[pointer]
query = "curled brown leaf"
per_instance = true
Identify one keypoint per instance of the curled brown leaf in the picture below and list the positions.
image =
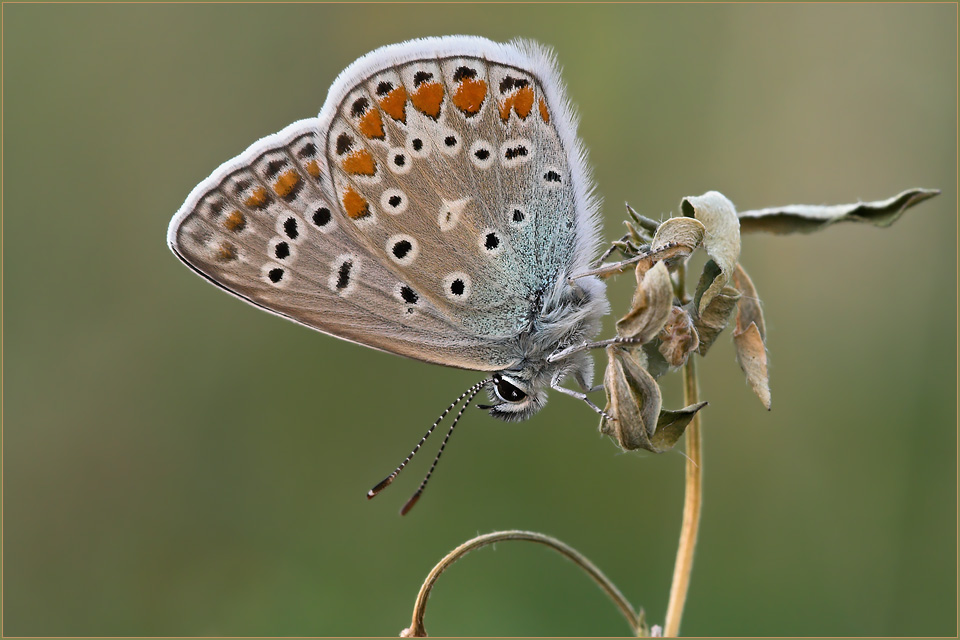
(633, 400)
(672, 424)
(678, 338)
(714, 318)
(634, 404)
(748, 308)
(802, 218)
(752, 356)
(721, 240)
(650, 307)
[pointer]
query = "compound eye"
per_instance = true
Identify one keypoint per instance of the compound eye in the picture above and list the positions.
(506, 391)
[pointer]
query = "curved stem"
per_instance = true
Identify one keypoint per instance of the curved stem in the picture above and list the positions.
(417, 629)
(691, 506)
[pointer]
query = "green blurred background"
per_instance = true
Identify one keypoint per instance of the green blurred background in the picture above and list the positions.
(179, 463)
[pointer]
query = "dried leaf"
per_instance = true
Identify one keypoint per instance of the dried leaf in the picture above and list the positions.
(651, 305)
(634, 405)
(686, 232)
(635, 237)
(715, 317)
(722, 239)
(749, 338)
(752, 356)
(643, 221)
(672, 424)
(748, 309)
(678, 338)
(800, 218)
(711, 271)
(674, 241)
(656, 365)
(633, 401)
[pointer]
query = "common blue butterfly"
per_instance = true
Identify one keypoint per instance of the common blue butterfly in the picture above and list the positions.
(436, 208)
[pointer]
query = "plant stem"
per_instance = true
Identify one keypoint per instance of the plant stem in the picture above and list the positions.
(417, 629)
(692, 499)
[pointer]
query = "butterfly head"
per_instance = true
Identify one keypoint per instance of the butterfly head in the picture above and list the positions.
(513, 397)
(566, 315)
(517, 394)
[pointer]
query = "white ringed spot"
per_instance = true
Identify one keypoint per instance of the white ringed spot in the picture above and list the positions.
(418, 142)
(481, 154)
(457, 286)
(449, 142)
(291, 228)
(280, 248)
(343, 274)
(402, 248)
(399, 160)
(516, 152)
(393, 201)
(275, 275)
(517, 215)
(491, 242)
(322, 218)
(551, 177)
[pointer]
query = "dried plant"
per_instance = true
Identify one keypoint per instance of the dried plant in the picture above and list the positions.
(666, 328)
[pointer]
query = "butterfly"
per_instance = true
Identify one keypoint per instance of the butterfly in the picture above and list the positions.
(438, 207)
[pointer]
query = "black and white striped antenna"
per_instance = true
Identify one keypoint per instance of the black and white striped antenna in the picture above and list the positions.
(469, 394)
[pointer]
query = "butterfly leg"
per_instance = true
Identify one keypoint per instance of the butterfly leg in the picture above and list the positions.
(577, 348)
(632, 242)
(609, 269)
(578, 376)
(555, 384)
(616, 244)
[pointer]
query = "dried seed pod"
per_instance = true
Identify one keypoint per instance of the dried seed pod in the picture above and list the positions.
(678, 338)
(650, 307)
(633, 400)
(634, 405)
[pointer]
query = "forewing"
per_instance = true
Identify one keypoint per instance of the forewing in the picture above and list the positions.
(460, 169)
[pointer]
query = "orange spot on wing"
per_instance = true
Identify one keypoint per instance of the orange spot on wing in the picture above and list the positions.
(428, 98)
(258, 199)
(226, 252)
(523, 102)
(395, 103)
(287, 184)
(355, 204)
(360, 163)
(506, 107)
(470, 95)
(520, 102)
(371, 125)
(543, 111)
(235, 221)
(313, 168)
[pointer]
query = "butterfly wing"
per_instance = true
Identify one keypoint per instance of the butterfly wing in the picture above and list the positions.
(261, 229)
(438, 195)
